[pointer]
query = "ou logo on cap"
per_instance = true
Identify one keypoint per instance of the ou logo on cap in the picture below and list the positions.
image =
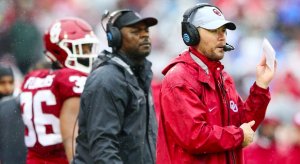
(217, 12)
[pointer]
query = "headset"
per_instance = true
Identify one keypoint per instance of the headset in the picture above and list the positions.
(113, 34)
(190, 34)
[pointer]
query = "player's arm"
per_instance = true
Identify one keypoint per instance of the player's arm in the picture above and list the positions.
(68, 116)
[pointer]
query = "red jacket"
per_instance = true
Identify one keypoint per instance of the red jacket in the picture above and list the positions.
(200, 116)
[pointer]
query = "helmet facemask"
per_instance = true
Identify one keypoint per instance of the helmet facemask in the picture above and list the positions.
(79, 58)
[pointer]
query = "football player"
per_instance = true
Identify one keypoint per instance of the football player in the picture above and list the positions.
(50, 97)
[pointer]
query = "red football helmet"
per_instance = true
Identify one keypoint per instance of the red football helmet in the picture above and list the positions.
(66, 40)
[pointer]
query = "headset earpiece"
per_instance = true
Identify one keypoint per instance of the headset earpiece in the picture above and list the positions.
(190, 34)
(114, 37)
(113, 34)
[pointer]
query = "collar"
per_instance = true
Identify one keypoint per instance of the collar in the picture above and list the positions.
(127, 60)
(137, 69)
(213, 66)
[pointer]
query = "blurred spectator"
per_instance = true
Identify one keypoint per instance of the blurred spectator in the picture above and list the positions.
(25, 43)
(12, 146)
(136, 5)
(293, 156)
(6, 81)
(264, 149)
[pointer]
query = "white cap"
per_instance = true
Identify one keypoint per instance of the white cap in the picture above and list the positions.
(210, 18)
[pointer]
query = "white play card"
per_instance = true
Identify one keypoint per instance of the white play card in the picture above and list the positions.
(269, 52)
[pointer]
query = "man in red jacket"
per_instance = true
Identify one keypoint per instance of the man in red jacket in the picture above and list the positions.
(202, 117)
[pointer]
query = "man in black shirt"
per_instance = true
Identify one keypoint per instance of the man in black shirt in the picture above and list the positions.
(117, 122)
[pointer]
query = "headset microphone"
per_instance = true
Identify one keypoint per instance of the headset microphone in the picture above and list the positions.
(228, 47)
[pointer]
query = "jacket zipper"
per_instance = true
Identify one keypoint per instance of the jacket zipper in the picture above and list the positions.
(224, 92)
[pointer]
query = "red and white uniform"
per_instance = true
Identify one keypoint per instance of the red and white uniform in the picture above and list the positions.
(42, 97)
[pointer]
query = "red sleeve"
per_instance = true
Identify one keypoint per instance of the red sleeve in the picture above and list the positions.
(185, 120)
(255, 106)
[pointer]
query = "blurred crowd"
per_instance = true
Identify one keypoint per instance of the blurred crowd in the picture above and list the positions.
(22, 23)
